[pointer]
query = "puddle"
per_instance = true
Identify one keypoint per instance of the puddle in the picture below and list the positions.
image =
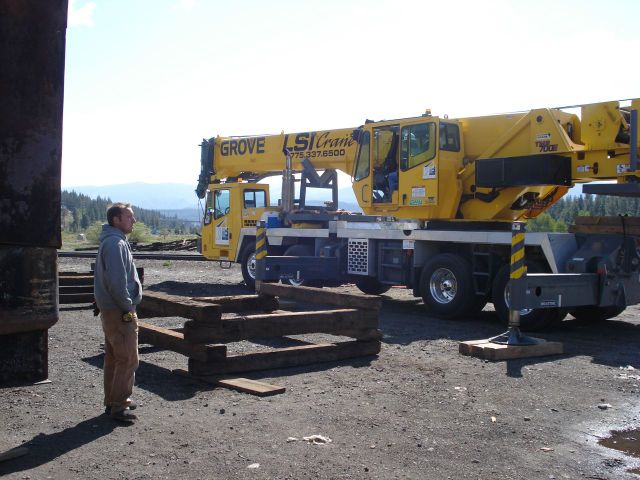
(626, 441)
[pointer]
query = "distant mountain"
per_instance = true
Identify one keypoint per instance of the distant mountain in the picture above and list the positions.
(180, 199)
(154, 196)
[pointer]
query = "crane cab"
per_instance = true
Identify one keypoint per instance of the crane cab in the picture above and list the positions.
(409, 168)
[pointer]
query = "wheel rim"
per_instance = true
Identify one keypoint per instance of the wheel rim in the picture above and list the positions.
(443, 286)
(251, 265)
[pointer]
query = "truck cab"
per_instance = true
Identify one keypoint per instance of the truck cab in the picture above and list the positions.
(230, 216)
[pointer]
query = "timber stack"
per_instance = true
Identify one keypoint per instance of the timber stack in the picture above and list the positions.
(77, 287)
(213, 322)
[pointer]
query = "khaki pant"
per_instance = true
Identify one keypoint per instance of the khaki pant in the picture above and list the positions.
(120, 359)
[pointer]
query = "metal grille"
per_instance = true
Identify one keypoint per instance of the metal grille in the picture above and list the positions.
(250, 223)
(358, 258)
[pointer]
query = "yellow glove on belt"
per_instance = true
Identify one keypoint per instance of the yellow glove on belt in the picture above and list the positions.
(129, 317)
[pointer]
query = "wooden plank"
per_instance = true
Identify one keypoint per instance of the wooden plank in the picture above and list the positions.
(68, 298)
(286, 357)
(607, 220)
(242, 303)
(496, 352)
(245, 385)
(322, 296)
(174, 341)
(278, 325)
(75, 289)
(160, 304)
(606, 225)
(253, 387)
(76, 280)
(74, 274)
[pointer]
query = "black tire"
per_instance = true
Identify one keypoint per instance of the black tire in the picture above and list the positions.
(596, 314)
(248, 265)
(300, 250)
(446, 286)
(371, 286)
(530, 320)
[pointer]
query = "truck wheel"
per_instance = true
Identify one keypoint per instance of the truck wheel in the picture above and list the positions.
(530, 319)
(371, 286)
(300, 250)
(248, 265)
(596, 314)
(446, 286)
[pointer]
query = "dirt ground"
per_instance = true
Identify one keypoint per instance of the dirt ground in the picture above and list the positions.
(418, 410)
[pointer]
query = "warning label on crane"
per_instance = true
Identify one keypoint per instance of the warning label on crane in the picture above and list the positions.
(429, 171)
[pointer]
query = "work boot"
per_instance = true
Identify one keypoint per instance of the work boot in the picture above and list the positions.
(124, 416)
(132, 406)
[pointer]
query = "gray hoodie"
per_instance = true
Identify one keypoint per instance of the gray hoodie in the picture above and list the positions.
(116, 284)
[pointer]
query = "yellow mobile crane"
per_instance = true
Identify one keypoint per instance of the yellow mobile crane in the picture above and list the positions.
(438, 196)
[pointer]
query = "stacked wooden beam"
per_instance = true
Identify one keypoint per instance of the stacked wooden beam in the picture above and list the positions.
(617, 225)
(77, 287)
(212, 322)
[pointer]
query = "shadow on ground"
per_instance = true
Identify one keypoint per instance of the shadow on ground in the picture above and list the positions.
(44, 448)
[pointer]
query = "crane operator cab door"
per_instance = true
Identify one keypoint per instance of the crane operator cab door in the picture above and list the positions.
(409, 168)
(217, 229)
(376, 174)
(419, 164)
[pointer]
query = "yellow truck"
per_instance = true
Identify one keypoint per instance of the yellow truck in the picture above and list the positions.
(438, 196)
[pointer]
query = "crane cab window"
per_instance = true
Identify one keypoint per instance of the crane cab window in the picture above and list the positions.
(417, 144)
(255, 199)
(362, 164)
(208, 208)
(449, 137)
(221, 205)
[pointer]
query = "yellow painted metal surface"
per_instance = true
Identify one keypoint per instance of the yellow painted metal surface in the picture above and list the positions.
(434, 162)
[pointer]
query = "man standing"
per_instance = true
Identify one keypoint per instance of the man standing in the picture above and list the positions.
(117, 291)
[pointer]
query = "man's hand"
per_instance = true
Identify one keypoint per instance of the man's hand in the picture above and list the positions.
(129, 317)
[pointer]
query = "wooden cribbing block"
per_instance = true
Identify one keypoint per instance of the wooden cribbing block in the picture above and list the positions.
(160, 304)
(280, 324)
(245, 385)
(242, 303)
(495, 352)
(75, 280)
(75, 289)
(67, 298)
(285, 357)
(322, 296)
(618, 225)
(174, 341)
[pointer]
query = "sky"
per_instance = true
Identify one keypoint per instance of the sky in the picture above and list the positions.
(146, 80)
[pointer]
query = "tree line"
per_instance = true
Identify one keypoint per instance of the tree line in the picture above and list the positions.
(564, 211)
(80, 211)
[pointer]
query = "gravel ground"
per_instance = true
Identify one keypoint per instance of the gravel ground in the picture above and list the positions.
(418, 410)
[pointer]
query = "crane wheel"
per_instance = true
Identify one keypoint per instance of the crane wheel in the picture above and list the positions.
(248, 265)
(446, 286)
(371, 286)
(530, 319)
(596, 314)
